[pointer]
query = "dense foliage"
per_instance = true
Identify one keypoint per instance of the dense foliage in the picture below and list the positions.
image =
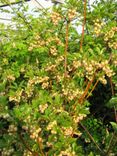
(57, 84)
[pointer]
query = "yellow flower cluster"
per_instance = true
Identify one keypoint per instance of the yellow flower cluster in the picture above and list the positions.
(27, 153)
(103, 66)
(43, 107)
(113, 45)
(79, 118)
(71, 14)
(109, 36)
(16, 97)
(7, 152)
(55, 17)
(67, 131)
(97, 27)
(36, 80)
(51, 126)
(37, 43)
(12, 128)
(55, 40)
(59, 59)
(53, 51)
(34, 132)
(71, 93)
(50, 67)
(76, 64)
(10, 77)
(67, 152)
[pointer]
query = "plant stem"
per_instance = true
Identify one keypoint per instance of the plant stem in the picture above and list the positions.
(26, 145)
(110, 144)
(86, 91)
(40, 147)
(92, 89)
(84, 22)
(90, 136)
(66, 48)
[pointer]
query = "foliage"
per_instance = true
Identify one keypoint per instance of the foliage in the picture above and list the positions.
(47, 76)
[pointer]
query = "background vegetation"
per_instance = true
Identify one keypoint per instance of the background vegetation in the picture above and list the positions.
(58, 86)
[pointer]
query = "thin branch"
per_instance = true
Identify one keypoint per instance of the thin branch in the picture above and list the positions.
(92, 89)
(83, 26)
(112, 91)
(66, 48)
(17, 13)
(110, 144)
(13, 3)
(81, 99)
(5, 19)
(90, 136)
(26, 145)
(40, 147)
(112, 88)
(39, 4)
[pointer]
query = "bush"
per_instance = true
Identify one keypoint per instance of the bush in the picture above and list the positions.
(49, 74)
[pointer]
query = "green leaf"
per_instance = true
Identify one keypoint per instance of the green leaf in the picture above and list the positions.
(114, 125)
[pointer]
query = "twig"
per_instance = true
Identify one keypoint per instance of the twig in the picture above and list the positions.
(81, 99)
(25, 21)
(40, 147)
(26, 145)
(66, 48)
(92, 89)
(112, 89)
(84, 22)
(110, 144)
(39, 4)
(90, 136)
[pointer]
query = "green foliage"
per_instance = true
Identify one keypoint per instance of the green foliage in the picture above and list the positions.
(46, 80)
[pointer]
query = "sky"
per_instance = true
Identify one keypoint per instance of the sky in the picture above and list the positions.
(32, 4)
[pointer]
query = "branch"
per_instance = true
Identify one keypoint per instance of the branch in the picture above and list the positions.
(40, 147)
(83, 26)
(66, 48)
(81, 99)
(92, 89)
(26, 145)
(90, 136)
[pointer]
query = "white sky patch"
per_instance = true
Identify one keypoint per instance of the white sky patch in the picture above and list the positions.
(32, 5)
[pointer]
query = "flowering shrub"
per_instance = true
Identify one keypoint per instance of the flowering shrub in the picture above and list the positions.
(48, 74)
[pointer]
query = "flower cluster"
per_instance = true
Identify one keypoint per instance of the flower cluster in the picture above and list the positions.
(34, 132)
(36, 80)
(37, 43)
(97, 27)
(76, 64)
(27, 153)
(51, 127)
(71, 93)
(79, 118)
(7, 152)
(53, 51)
(67, 131)
(67, 152)
(16, 97)
(50, 67)
(110, 34)
(43, 107)
(71, 14)
(10, 77)
(109, 38)
(55, 17)
(12, 128)
(113, 45)
(54, 40)
(93, 66)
